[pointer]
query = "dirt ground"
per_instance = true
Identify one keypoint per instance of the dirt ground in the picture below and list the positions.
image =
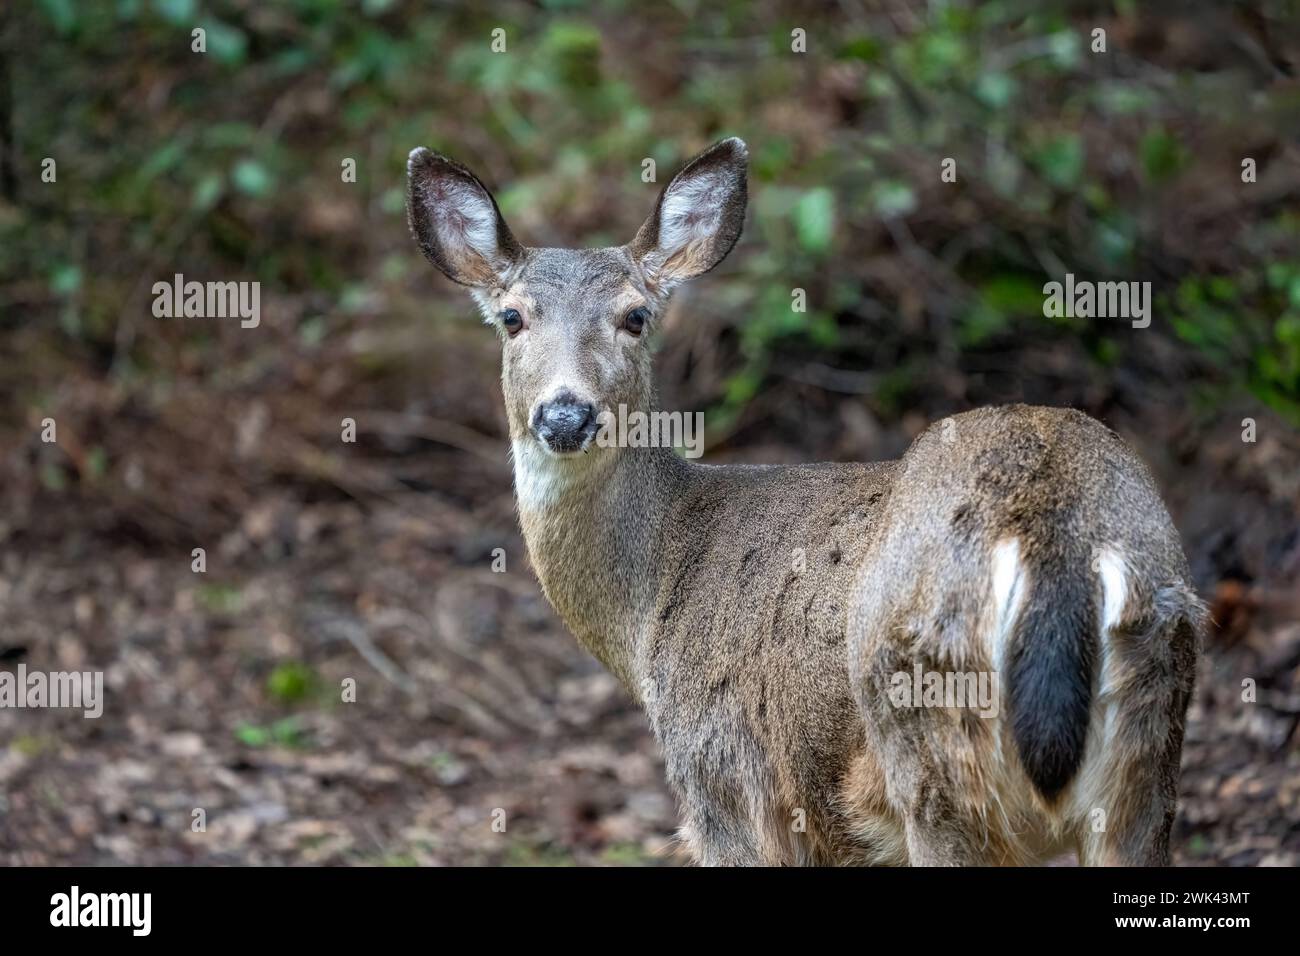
(373, 561)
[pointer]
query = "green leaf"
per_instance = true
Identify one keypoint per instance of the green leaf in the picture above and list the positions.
(1061, 161)
(1116, 238)
(252, 736)
(226, 43)
(1280, 274)
(52, 477)
(864, 48)
(220, 598)
(161, 161)
(291, 682)
(938, 55)
(742, 386)
(1162, 155)
(177, 12)
(1287, 330)
(96, 462)
(207, 191)
(823, 331)
(1125, 99)
(288, 732)
(982, 321)
(1064, 48)
(1014, 294)
(62, 14)
(815, 219)
(995, 89)
(892, 198)
(1293, 291)
(65, 279)
(251, 177)
(574, 48)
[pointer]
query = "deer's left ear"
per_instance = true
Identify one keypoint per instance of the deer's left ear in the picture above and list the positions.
(698, 218)
(456, 221)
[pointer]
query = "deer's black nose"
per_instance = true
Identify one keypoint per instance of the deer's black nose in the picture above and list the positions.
(564, 423)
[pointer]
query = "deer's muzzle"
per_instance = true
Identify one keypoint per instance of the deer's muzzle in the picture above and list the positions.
(564, 424)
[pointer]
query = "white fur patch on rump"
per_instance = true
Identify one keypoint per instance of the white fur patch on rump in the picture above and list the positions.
(1008, 593)
(1114, 587)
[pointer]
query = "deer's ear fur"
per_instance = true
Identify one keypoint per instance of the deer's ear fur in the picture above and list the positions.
(456, 221)
(698, 218)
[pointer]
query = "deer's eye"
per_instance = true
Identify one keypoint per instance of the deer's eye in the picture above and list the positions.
(634, 322)
(512, 320)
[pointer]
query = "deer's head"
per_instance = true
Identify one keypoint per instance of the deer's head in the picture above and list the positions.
(574, 323)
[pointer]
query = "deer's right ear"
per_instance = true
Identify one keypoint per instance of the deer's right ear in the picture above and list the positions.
(456, 221)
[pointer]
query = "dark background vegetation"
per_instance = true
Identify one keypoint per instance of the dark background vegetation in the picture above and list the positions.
(372, 560)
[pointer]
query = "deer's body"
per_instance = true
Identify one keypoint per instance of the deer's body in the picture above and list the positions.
(738, 660)
(762, 614)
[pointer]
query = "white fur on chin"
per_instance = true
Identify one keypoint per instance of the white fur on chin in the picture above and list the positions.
(541, 476)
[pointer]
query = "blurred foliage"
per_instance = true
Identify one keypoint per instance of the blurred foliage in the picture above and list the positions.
(292, 682)
(287, 732)
(1120, 165)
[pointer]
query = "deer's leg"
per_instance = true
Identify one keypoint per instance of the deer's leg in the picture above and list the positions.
(935, 759)
(718, 829)
(1129, 784)
(933, 842)
(1145, 843)
(713, 842)
(1128, 823)
(932, 759)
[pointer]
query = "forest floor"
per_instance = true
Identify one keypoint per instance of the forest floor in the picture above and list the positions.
(374, 563)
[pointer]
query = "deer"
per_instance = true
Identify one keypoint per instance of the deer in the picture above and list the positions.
(1028, 544)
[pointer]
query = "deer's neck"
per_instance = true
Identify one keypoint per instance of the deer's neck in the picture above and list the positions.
(592, 527)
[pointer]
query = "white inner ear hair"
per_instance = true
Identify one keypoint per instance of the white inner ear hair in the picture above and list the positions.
(465, 220)
(691, 212)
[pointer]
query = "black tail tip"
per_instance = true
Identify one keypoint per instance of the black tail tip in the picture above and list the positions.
(1051, 685)
(1050, 769)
